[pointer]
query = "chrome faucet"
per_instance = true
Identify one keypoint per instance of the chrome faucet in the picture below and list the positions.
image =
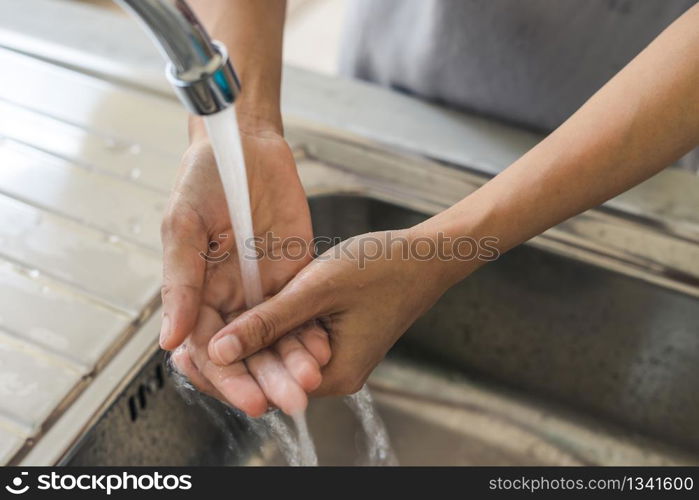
(198, 68)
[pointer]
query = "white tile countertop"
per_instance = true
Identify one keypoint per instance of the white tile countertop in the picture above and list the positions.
(83, 184)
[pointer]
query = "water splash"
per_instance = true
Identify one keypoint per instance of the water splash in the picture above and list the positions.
(378, 444)
(192, 396)
(271, 425)
(279, 430)
(307, 451)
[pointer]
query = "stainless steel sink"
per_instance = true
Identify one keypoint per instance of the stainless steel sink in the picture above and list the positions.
(580, 347)
(536, 359)
(602, 342)
(433, 416)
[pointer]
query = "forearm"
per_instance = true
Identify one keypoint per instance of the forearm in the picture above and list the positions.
(645, 118)
(252, 32)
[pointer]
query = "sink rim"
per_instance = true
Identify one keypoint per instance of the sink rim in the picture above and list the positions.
(78, 415)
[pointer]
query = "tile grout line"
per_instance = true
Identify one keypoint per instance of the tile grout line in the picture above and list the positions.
(87, 167)
(77, 289)
(16, 426)
(55, 358)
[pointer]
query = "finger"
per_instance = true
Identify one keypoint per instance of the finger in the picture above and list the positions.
(298, 361)
(354, 356)
(315, 339)
(279, 386)
(182, 362)
(340, 378)
(262, 325)
(234, 382)
(183, 239)
(238, 387)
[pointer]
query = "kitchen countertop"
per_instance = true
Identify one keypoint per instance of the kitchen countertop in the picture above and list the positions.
(83, 186)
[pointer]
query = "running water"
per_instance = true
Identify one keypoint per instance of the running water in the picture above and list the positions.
(279, 430)
(379, 451)
(297, 449)
(225, 140)
(307, 452)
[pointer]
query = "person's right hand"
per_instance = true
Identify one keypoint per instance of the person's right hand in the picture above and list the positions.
(367, 290)
(201, 277)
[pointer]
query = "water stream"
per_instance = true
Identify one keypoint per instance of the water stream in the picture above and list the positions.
(225, 140)
(298, 447)
(378, 446)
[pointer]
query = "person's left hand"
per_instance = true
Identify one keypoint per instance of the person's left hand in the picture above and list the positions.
(203, 291)
(365, 301)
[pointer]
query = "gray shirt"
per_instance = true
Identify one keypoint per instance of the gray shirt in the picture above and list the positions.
(531, 62)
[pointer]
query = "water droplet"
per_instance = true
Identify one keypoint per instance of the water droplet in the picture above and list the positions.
(113, 238)
(135, 149)
(135, 173)
(134, 225)
(111, 143)
(34, 273)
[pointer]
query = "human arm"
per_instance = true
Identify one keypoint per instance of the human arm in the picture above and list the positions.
(638, 123)
(202, 292)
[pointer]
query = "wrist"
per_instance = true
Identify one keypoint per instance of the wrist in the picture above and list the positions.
(250, 122)
(197, 130)
(457, 247)
(259, 120)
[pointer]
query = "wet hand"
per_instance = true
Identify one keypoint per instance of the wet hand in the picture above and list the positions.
(201, 279)
(366, 296)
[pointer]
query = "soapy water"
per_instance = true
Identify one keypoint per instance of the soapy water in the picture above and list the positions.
(297, 448)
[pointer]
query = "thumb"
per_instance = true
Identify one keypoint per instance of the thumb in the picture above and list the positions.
(183, 276)
(262, 325)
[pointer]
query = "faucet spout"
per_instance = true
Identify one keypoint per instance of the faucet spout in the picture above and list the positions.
(197, 67)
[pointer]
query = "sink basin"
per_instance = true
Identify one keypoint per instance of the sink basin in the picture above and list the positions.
(535, 360)
(433, 417)
(605, 343)
(580, 347)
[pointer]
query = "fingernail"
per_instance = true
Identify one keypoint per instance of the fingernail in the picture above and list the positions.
(164, 330)
(227, 349)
